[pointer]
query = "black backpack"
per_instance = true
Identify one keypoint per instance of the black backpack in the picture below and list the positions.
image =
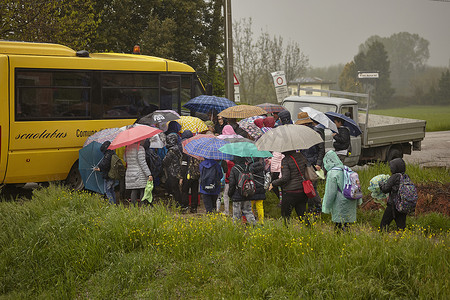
(154, 162)
(246, 183)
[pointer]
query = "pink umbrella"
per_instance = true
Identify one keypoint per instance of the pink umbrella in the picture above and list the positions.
(133, 135)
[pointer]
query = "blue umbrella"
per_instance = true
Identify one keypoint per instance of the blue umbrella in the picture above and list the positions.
(89, 158)
(207, 148)
(205, 103)
(348, 122)
(244, 149)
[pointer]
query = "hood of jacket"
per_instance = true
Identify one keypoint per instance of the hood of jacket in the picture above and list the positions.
(397, 165)
(259, 123)
(174, 127)
(186, 135)
(105, 146)
(285, 117)
(208, 163)
(331, 160)
(171, 140)
(240, 161)
(269, 122)
(256, 167)
(228, 130)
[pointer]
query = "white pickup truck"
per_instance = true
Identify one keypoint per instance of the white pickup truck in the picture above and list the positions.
(383, 138)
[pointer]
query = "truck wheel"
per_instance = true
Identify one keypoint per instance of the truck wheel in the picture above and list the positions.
(394, 153)
(73, 180)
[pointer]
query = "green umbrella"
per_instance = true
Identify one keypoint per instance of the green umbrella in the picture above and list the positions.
(244, 149)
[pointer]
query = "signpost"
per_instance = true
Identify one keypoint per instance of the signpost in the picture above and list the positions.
(369, 80)
(279, 80)
(237, 97)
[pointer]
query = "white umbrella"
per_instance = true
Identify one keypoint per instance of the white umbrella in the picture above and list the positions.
(320, 118)
(288, 137)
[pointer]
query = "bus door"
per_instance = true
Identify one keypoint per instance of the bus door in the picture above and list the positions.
(4, 116)
(170, 92)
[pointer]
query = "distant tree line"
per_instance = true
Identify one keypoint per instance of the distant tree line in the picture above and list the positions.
(404, 76)
(190, 31)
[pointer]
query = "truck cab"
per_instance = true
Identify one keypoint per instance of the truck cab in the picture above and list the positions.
(325, 104)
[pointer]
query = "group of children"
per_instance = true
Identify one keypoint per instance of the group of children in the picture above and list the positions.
(186, 177)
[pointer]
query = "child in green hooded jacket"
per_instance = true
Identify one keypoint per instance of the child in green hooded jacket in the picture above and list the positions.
(342, 210)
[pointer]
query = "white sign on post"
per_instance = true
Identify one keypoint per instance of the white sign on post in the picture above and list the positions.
(368, 75)
(279, 81)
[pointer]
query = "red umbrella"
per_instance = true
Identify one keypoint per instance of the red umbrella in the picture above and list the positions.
(133, 135)
(271, 108)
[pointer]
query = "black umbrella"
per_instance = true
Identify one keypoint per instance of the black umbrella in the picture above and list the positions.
(159, 116)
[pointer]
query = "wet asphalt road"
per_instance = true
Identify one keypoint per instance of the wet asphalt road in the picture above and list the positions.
(435, 151)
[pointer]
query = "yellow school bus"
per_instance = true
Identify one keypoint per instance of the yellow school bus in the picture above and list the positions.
(52, 98)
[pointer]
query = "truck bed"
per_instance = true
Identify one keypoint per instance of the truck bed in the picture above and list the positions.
(385, 130)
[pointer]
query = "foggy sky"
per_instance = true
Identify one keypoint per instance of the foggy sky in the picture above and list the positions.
(329, 32)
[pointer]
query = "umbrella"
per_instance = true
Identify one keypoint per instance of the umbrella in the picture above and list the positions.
(288, 137)
(208, 148)
(158, 140)
(205, 103)
(195, 137)
(89, 157)
(271, 108)
(108, 134)
(159, 116)
(193, 124)
(250, 119)
(254, 131)
(244, 149)
(320, 118)
(133, 135)
(242, 111)
(239, 139)
(348, 122)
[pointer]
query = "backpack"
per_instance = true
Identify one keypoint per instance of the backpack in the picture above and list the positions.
(352, 186)
(246, 183)
(407, 195)
(209, 180)
(154, 162)
(194, 168)
(117, 170)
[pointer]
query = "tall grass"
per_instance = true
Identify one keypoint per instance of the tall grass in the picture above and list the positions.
(65, 244)
(437, 117)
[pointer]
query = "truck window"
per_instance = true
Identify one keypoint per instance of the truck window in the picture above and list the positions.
(348, 111)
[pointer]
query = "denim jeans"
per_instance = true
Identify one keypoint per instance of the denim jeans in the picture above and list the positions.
(109, 190)
(210, 202)
(243, 207)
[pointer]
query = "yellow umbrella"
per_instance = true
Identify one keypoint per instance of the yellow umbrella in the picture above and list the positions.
(242, 111)
(193, 124)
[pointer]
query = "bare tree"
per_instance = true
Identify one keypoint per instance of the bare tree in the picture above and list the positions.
(254, 60)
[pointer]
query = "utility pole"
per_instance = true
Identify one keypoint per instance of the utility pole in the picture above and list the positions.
(229, 74)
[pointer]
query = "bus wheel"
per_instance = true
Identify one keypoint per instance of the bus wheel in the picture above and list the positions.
(73, 180)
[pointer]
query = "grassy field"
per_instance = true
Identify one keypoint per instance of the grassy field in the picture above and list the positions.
(68, 245)
(437, 117)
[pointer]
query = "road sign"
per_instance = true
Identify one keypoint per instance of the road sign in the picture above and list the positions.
(237, 96)
(235, 81)
(279, 80)
(368, 75)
